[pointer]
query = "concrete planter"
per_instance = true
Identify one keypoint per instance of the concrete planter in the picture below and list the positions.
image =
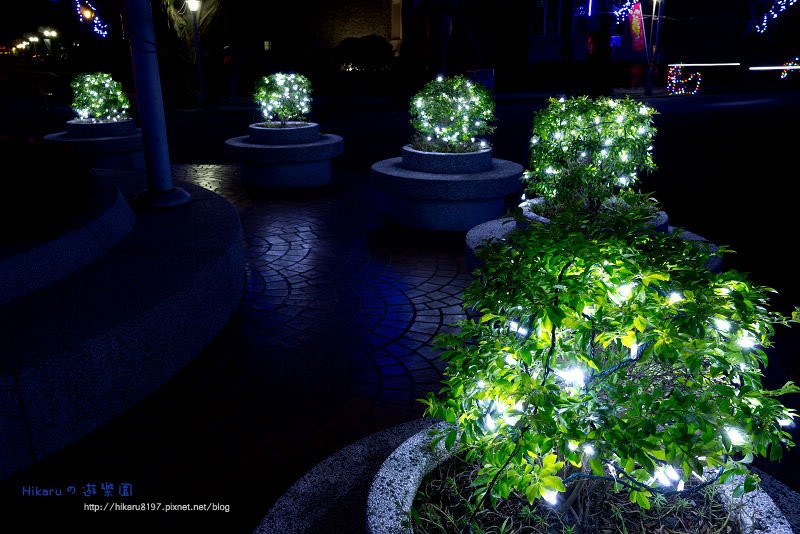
(270, 133)
(105, 145)
(396, 483)
(455, 193)
(498, 229)
(447, 163)
(285, 158)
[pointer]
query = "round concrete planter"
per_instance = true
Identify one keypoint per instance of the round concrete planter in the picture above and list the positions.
(104, 225)
(285, 158)
(498, 229)
(447, 163)
(84, 129)
(270, 133)
(445, 201)
(396, 483)
(659, 222)
(105, 145)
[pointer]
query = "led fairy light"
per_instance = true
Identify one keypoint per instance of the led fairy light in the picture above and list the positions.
(790, 67)
(449, 114)
(622, 12)
(98, 98)
(88, 13)
(600, 144)
(679, 83)
(775, 10)
(283, 97)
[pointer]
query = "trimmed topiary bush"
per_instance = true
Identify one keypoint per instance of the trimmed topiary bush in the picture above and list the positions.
(585, 151)
(618, 358)
(451, 115)
(98, 98)
(284, 97)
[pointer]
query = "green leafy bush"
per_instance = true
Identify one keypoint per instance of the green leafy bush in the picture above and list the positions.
(98, 98)
(584, 151)
(450, 114)
(619, 358)
(284, 97)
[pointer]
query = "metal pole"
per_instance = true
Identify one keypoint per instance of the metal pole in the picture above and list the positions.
(197, 59)
(160, 192)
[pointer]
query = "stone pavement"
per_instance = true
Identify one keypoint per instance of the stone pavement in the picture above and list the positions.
(331, 343)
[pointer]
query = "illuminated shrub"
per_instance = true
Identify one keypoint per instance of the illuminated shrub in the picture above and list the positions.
(584, 151)
(619, 358)
(98, 98)
(451, 114)
(283, 97)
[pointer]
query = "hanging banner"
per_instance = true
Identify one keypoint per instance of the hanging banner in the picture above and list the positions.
(637, 27)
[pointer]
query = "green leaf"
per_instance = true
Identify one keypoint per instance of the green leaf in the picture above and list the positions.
(450, 439)
(640, 323)
(553, 483)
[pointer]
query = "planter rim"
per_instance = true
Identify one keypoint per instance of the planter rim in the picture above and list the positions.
(292, 125)
(409, 148)
(97, 121)
(392, 492)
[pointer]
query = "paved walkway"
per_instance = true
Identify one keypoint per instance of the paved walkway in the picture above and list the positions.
(332, 342)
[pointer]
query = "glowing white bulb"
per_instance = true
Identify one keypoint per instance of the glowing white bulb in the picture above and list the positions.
(534, 140)
(489, 423)
(481, 384)
(573, 446)
(549, 170)
(672, 474)
(620, 118)
(562, 100)
(558, 135)
(483, 144)
(641, 130)
(746, 341)
(573, 376)
(723, 291)
(623, 181)
(675, 297)
(624, 156)
(439, 78)
(597, 120)
(736, 436)
(588, 450)
(604, 152)
(550, 496)
(721, 324)
(635, 351)
(661, 476)
(515, 327)
(786, 422)
(583, 154)
(644, 110)
(625, 291)
(590, 310)
(607, 142)
(510, 360)
(681, 485)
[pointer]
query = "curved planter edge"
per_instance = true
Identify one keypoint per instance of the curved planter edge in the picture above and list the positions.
(396, 483)
(295, 133)
(447, 162)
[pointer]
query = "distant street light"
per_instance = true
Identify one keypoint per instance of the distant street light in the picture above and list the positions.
(33, 39)
(194, 7)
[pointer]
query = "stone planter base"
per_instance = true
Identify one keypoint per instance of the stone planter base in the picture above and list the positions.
(396, 483)
(285, 166)
(445, 202)
(105, 145)
(498, 229)
(106, 224)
